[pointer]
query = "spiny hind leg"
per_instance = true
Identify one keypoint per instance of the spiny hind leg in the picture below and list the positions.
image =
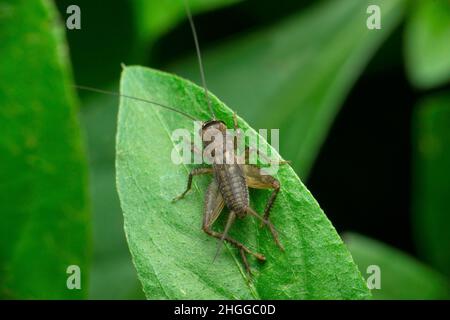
(194, 172)
(214, 204)
(242, 248)
(269, 224)
(259, 181)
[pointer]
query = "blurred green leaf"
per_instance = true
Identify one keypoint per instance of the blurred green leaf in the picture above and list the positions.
(431, 176)
(155, 17)
(105, 40)
(172, 255)
(112, 275)
(427, 43)
(402, 277)
(294, 76)
(44, 222)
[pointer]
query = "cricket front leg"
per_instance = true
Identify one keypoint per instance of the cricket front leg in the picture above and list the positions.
(194, 172)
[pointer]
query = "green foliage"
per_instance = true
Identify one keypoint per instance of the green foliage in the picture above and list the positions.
(431, 174)
(112, 273)
(402, 277)
(44, 221)
(171, 253)
(106, 39)
(300, 69)
(153, 18)
(292, 71)
(427, 43)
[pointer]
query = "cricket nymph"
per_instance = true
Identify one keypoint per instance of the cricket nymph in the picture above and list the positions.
(230, 185)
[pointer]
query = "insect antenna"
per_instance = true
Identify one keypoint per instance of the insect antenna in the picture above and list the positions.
(116, 94)
(199, 56)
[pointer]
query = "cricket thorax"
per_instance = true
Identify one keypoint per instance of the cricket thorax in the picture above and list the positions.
(233, 187)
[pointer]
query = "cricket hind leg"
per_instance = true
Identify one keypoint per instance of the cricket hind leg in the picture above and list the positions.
(269, 224)
(194, 172)
(214, 204)
(259, 181)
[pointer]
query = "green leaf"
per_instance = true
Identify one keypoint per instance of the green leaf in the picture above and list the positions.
(154, 18)
(427, 45)
(402, 276)
(105, 40)
(172, 255)
(112, 273)
(431, 176)
(301, 70)
(44, 222)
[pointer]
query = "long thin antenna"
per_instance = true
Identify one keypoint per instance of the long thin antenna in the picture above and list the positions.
(112, 93)
(199, 56)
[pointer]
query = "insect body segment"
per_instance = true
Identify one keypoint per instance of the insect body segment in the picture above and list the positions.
(233, 187)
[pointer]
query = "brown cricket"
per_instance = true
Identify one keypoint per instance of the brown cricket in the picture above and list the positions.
(231, 180)
(230, 187)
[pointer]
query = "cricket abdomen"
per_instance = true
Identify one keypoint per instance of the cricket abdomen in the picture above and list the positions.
(232, 186)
